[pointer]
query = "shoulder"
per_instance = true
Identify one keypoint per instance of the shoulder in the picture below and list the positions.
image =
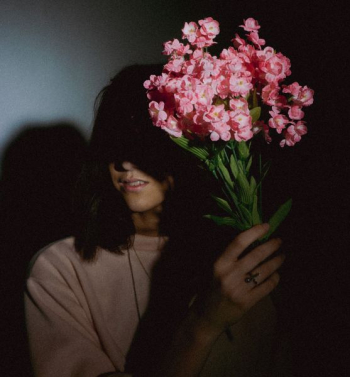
(57, 256)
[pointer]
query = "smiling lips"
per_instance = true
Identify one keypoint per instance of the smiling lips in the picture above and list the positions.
(133, 185)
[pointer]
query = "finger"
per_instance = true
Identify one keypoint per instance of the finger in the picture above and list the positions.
(240, 243)
(265, 270)
(262, 290)
(259, 254)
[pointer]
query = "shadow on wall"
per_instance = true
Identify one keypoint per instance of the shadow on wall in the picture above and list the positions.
(40, 167)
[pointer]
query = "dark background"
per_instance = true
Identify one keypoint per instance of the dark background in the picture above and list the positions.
(40, 164)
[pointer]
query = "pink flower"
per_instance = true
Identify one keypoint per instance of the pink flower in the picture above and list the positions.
(172, 127)
(223, 87)
(157, 113)
(216, 113)
(242, 120)
(306, 97)
(254, 37)
(294, 89)
(197, 54)
(238, 41)
(220, 130)
(239, 105)
(270, 93)
(209, 27)
(293, 134)
(295, 112)
(200, 95)
(278, 121)
(300, 96)
(250, 25)
(171, 85)
(176, 47)
(174, 65)
(188, 82)
(156, 81)
(241, 127)
(203, 41)
(204, 95)
(276, 68)
(240, 85)
(243, 134)
(190, 31)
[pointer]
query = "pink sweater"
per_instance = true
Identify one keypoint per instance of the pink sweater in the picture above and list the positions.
(81, 317)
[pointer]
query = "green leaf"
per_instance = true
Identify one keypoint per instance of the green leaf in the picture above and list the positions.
(225, 172)
(255, 113)
(233, 165)
(244, 188)
(278, 217)
(252, 185)
(247, 216)
(240, 166)
(249, 164)
(226, 221)
(231, 193)
(222, 204)
(184, 143)
(243, 150)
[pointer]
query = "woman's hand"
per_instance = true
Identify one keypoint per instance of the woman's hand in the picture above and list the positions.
(240, 283)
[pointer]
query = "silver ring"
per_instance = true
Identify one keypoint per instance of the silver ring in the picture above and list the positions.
(252, 278)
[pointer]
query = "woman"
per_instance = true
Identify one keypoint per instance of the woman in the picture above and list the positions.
(146, 287)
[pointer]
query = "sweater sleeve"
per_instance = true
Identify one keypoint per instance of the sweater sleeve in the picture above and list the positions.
(62, 338)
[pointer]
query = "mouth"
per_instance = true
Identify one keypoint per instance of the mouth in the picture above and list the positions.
(133, 185)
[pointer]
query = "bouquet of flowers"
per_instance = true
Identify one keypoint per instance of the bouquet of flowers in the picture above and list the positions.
(214, 106)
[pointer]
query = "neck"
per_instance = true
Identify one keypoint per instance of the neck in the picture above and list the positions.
(147, 223)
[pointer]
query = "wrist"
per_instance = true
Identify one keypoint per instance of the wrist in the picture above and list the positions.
(200, 330)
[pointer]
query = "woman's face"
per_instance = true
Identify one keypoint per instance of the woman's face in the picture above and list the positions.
(141, 192)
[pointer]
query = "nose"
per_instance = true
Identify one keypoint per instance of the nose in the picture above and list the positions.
(124, 166)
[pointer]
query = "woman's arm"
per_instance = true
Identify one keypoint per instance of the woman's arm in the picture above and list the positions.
(229, 298)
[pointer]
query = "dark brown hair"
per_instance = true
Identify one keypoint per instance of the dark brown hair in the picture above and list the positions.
(123, 132)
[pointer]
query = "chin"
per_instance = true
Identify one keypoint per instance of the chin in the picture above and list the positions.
(144, 206)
